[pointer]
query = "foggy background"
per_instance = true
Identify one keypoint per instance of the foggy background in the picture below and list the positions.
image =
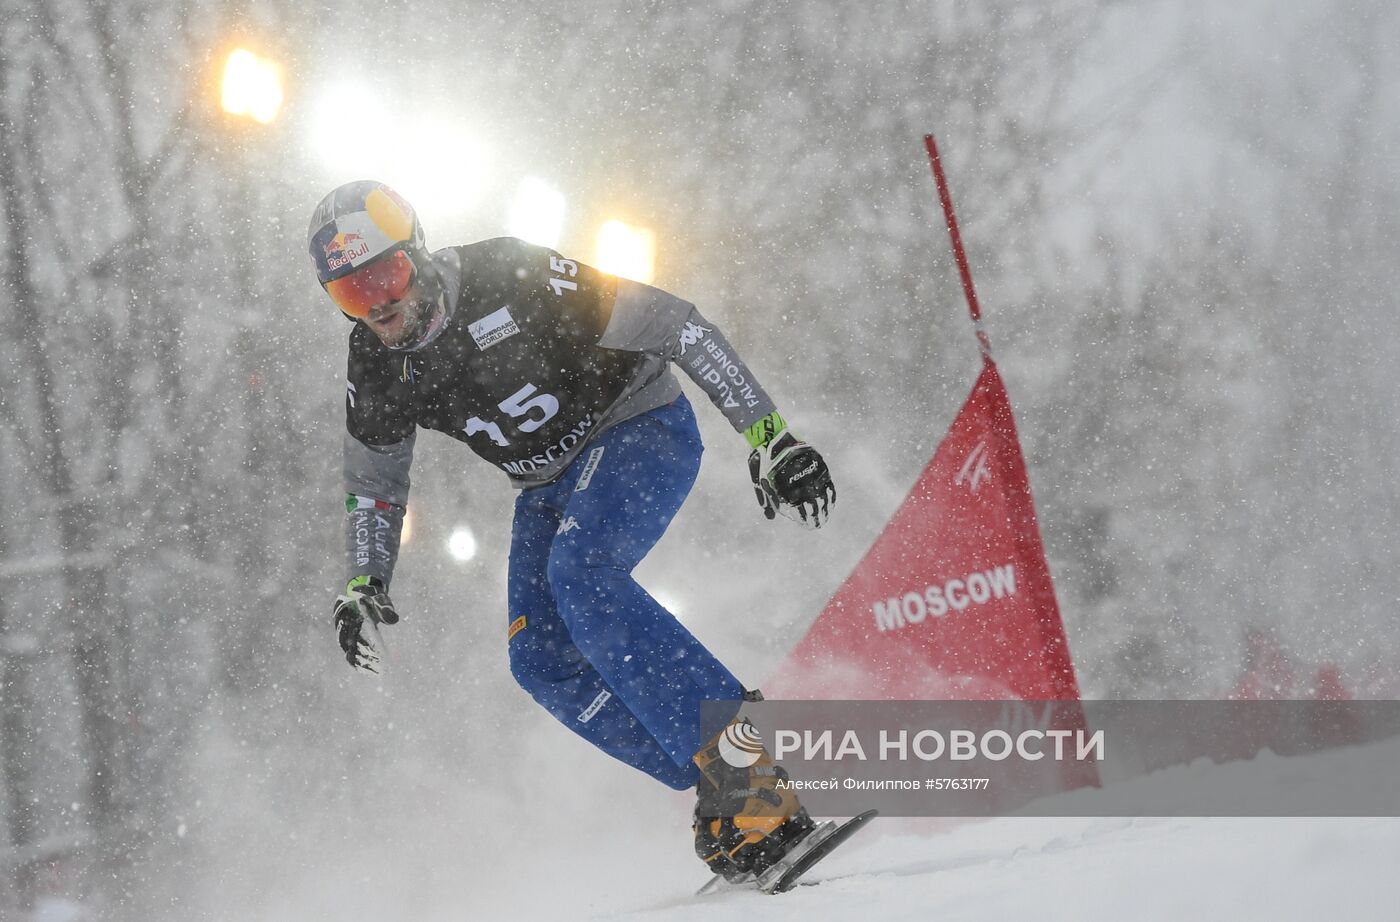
(1182, 222)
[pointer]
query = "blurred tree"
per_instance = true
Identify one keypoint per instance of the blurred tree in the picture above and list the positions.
(115, 406)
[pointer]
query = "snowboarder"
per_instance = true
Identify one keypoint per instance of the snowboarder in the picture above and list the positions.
(559, 375)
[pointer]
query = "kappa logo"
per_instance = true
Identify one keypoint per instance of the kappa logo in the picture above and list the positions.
(691, 335)
(350, 392)
(493, 328)
(975, 469)
(568, 525)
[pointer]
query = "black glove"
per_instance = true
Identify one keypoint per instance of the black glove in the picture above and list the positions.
(358, 614)
(790, 477)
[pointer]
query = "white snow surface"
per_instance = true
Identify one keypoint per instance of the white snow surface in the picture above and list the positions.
(1089, 869)
(1265, 868)
(618, 847)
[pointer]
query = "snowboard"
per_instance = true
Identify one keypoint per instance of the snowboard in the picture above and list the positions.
(821, 841)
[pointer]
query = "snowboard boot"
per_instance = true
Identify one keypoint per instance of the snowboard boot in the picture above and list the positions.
(744, 822)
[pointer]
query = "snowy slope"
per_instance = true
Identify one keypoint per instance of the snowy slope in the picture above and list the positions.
(589, 838)
(1106, 868)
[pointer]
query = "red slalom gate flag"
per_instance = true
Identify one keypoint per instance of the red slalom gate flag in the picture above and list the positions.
(954, 599)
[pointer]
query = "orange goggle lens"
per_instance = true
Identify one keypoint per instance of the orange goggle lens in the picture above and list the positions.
(381, 282)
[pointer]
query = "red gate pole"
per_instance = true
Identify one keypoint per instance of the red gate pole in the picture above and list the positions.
(959, 254)
(1076, 774)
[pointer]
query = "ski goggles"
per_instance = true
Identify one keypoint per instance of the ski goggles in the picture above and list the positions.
(385, 280)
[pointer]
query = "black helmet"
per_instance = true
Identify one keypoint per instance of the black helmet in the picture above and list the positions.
(367, 247)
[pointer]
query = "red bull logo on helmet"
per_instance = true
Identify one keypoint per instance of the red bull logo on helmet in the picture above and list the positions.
(346, 236)
(344, 248)
(342, 240)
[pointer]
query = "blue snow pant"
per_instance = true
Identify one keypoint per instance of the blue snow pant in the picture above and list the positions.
(586, 641)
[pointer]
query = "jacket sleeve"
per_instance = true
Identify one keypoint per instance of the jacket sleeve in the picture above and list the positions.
(647, 319)
(377, 456)
(376, 495)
